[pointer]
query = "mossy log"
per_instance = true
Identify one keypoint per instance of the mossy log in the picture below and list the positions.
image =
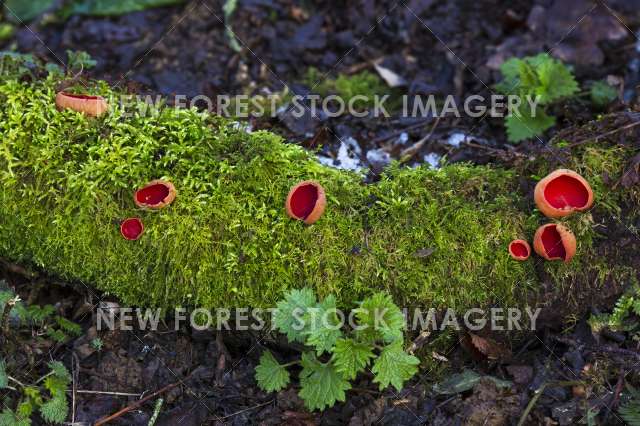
(435, 238)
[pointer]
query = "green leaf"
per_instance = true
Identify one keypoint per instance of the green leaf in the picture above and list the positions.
(288, 317)
(322, 385)
(630, 412)
(271, 376)
(4, 379)
(351, 357)
(463, 382)
(55, 410)
(60, 371)
(9, 418)
(522, 125)
(115, 8)
(556, 81)
(379, 318)
(394, 366)
(322, 325)
(20, 11)
(602, 94)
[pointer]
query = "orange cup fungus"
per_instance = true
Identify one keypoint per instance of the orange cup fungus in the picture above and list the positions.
(132, 228)
(155, 194)
(554, 241)
(306, 201)
(93, 106)
(562, 193)
(519, 249)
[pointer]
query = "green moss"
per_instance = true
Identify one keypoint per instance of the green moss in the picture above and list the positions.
(365, 85)
(66, 180)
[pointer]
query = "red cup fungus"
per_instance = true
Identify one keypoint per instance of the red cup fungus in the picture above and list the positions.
(562, 193)
(306, 201)
(519, 249)
(132, 228)
(554, 241)
(93, 106)
(155, 194)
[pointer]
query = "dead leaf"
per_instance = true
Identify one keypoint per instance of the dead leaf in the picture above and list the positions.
(486, 347)
(390, 77)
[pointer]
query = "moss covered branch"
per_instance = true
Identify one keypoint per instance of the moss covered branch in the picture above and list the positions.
(67, 180)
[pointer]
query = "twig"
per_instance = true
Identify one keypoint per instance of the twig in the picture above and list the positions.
(94, 392)
(137, 404)
(245, 410)
(408, 153)
(538, 394)
(16, 381)
(604, 135)
(75, 364)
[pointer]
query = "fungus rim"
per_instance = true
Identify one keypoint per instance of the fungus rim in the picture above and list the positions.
(547, 207)
(309, 215)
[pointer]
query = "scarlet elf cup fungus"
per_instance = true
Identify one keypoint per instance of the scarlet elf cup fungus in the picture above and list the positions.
(155, 194)
(93, 106)
(554, 241)
(132, 228)
(306, 201)
(562, 193)
(519, 249)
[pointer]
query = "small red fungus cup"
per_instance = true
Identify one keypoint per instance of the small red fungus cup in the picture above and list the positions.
(519, 249)
(155, 194)
(131, 228)
(554, 241)
(306, 201)
(93, 106)
(563, 192)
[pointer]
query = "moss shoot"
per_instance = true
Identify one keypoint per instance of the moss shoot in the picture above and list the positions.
(435, 238)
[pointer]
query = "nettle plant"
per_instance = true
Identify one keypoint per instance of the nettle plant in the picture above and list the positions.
(540, 78)
(48, 395)
(333, 356)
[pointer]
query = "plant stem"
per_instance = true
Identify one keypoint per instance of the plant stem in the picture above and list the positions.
(538, 394)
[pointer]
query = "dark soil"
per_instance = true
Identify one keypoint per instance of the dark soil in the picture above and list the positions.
(436, 47)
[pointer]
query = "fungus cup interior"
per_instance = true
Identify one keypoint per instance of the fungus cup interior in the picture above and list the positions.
(518, 249)
(566, 191)
(304, 200)
(87, 97)
(131, 228)
(152, 194)
(552, 242)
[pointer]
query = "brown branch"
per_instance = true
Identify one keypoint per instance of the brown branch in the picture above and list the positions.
(137, 404)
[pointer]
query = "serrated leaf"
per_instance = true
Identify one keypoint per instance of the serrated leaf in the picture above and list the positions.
(522, 125)
(351, 357)
(60, 371)
(55, 410)
(380, 319)
(556, 81)
(288, 317)
(322, 326)
(394, 366)
(321, 383)
(270, 375)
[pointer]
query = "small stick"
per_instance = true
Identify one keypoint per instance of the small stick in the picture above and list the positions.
(538, 394)
(604, 135)
(137, 404)
(245, 410)
(409, 153)
(94, 392)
